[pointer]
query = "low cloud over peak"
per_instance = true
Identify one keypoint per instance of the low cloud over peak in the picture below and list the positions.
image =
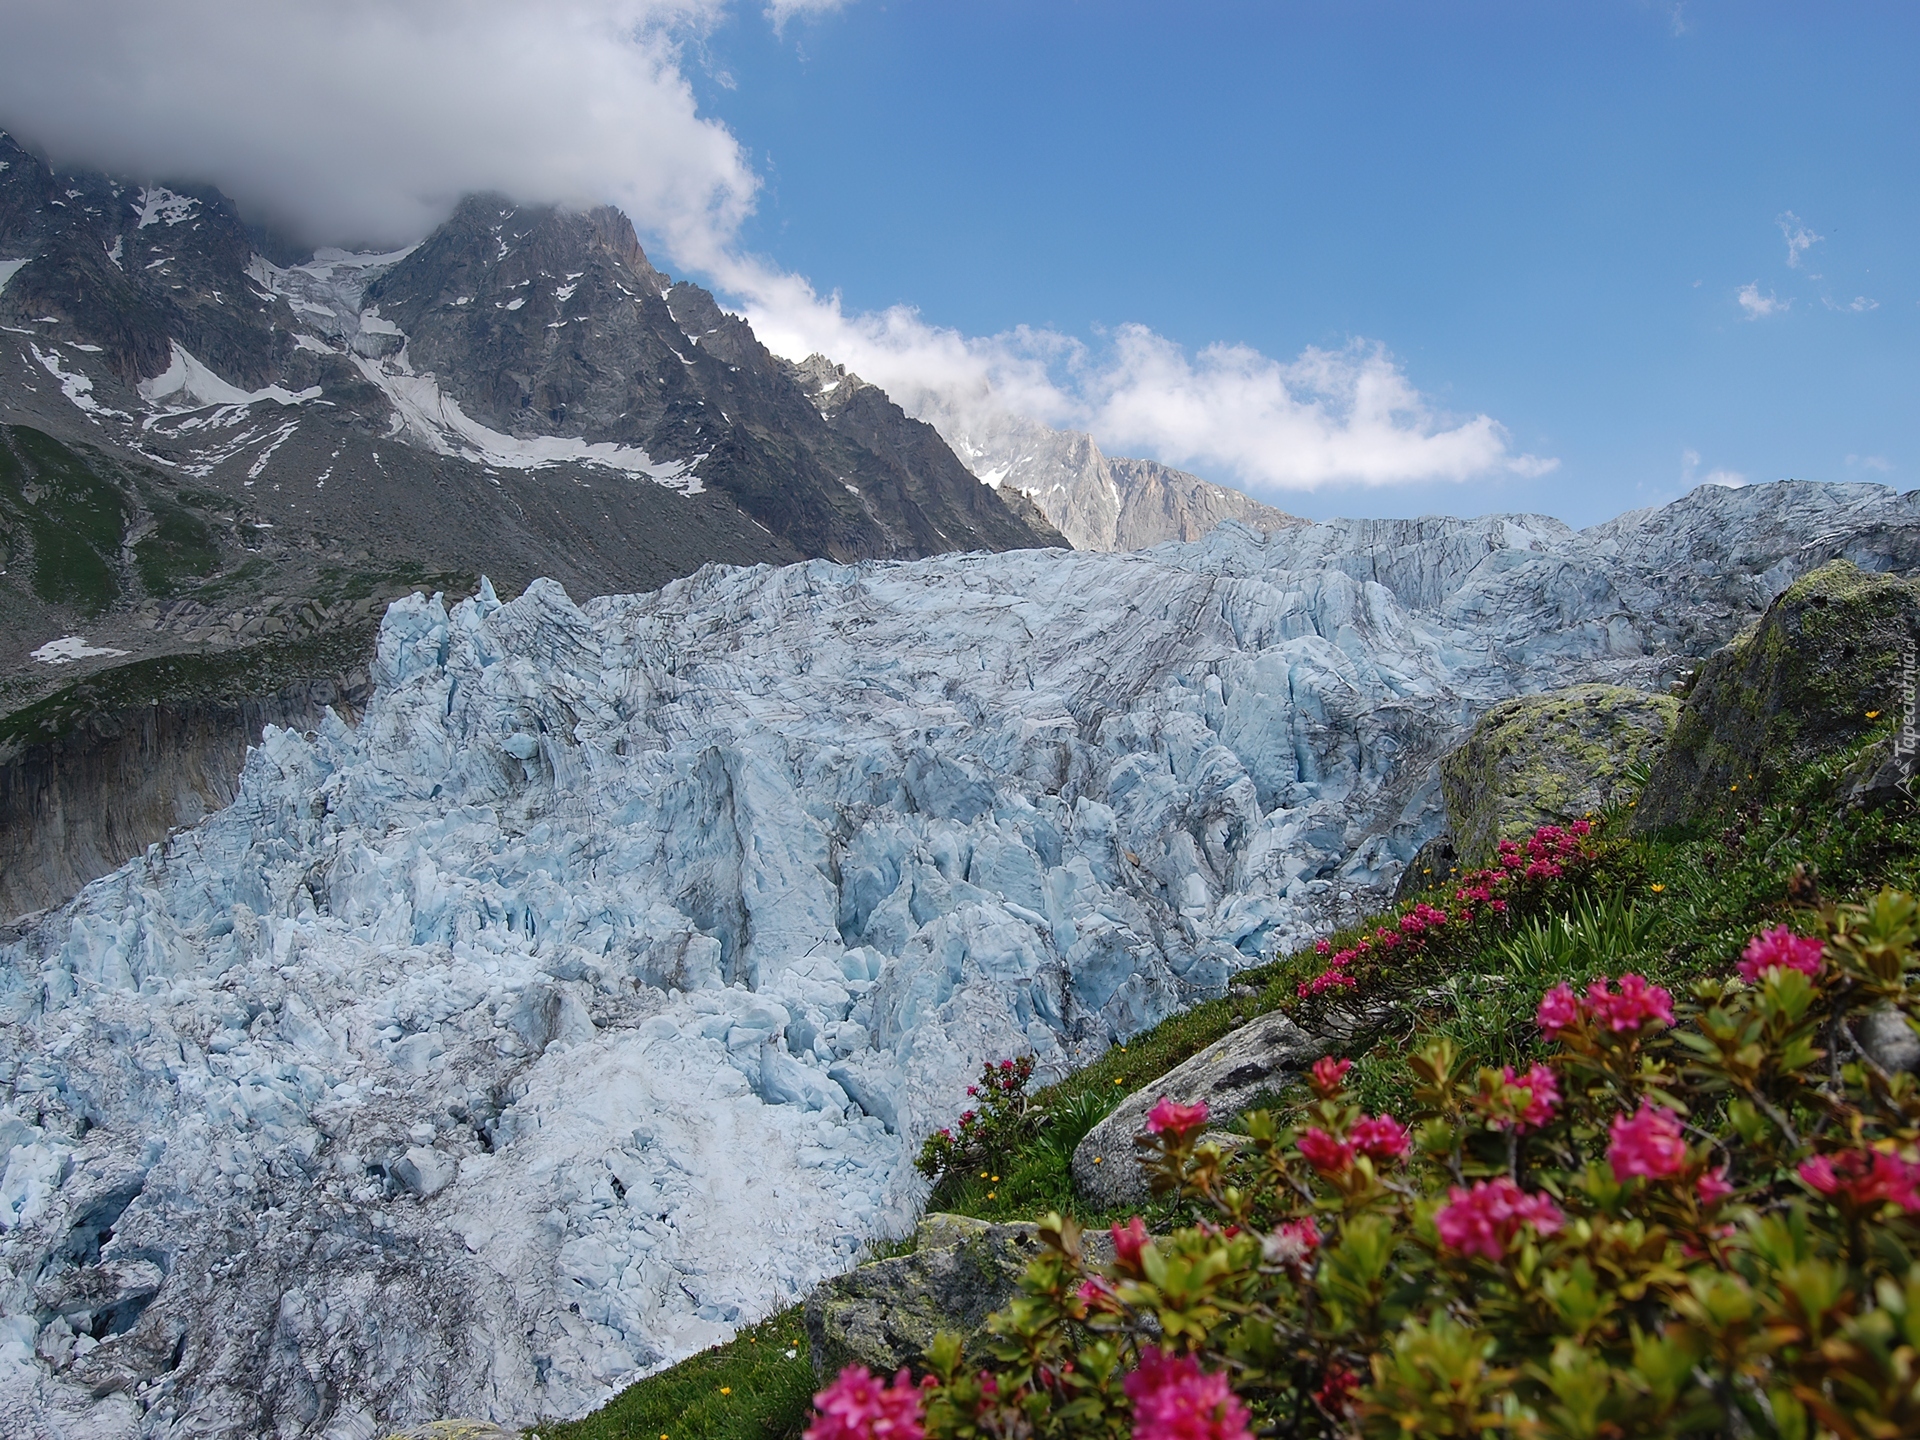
(362, 122)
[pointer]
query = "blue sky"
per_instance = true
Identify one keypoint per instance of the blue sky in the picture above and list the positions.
(1366, 257)
(1545, 213)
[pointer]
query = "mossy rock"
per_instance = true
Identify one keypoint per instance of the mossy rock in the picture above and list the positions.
(1820, 671)
(885, 1314)
(1548, 759)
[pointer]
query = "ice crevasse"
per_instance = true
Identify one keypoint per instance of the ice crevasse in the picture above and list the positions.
(593, 994)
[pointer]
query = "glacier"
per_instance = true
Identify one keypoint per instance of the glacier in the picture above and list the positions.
(591, 996)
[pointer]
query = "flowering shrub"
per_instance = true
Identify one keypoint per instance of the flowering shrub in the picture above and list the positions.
(1002, 1115)
(1698, 1219)
(858, 1407)
(1484, 901)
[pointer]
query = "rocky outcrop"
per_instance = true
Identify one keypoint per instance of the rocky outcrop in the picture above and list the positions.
(1098, 502)
(1832, 660)
(1265, 1055)
(885, 1314)
(1549, 759)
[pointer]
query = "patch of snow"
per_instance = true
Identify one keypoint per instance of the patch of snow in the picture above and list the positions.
(11, 268)
(565, 292)
(307, 342)
(513, 304)
(372, 324)
(284, 434)
(186, 384)
(159, 205)
(117, 252)
(435, 419)
(75, 385)
(69, 648)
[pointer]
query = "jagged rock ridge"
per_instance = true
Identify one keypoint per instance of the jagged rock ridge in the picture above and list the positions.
(592, 994)
(1099, 502)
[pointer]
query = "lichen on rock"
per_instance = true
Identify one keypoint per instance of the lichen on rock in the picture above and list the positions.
(1548, 759)
(885, 1314)
(1816, 675)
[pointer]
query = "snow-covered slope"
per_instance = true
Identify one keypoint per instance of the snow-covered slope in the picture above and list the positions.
(592, 995)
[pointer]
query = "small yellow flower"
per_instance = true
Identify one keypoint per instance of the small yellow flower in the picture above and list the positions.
(996, 1179)
(1733, 787)
(726, 1389)
(991, 1194)
(1658, 888)
(1096, 1159)
(1873, 714)
(983, 1174)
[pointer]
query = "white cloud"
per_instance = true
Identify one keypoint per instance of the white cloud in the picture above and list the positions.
(1859, 305)
(1759, 306)
(1798, 237)
(364, 120)
(1690, 476)
(1871, 462)
(781, 11)
(1328, 416)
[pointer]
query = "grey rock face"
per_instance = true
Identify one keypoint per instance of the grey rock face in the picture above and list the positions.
(1548, 759)
(1266, 1053)
(885, 1314)
(1828, 654)
(1890, 1040)
(1098, 502)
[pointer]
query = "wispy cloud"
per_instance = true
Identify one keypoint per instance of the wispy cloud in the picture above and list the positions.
(1871, 462)
(1760, 306)
(1859, 305)
(781, 11)
(1329, 416)
(1690, 476)
(1798, 237)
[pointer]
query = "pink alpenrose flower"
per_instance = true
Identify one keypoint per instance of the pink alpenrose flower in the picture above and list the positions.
(858, 1407)
(1559, 1010)
(1174, 1399)
(1326, 1154)
(1866, 1177)
(1648, 1144)
(1328, 1074)
(1128, 1241)
(1780, 949)
(1382, 1137)
(1481, 1221)
(1177, 1120)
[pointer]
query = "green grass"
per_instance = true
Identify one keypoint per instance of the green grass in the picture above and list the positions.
(258, 669)
(771, 1393)
(72, 515)
(179, 549)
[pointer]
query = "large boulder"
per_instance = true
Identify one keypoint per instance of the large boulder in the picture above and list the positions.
(1830, 660)
(1265, 1054)
(884, 1314)
(1548, 759)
